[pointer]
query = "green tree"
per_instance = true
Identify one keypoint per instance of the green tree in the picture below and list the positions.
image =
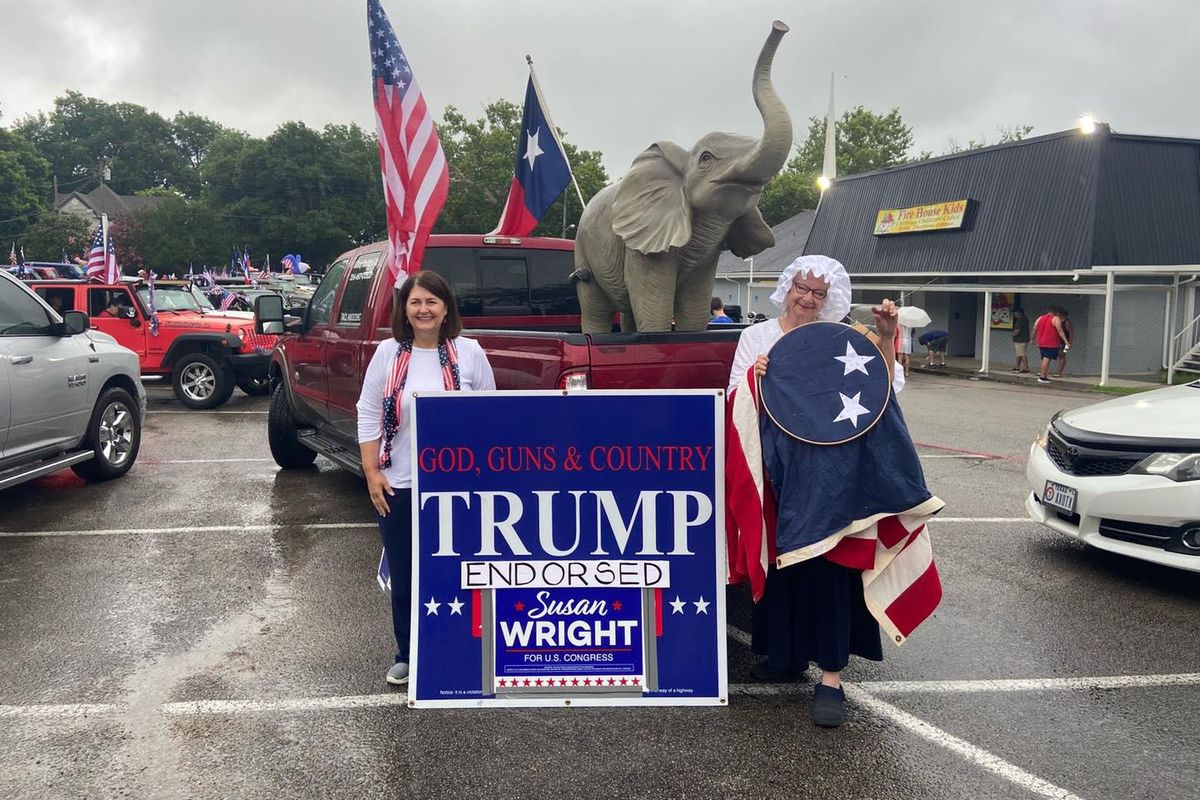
(84, 135)
(1007, 133)
(48, 236)
(866, 141)
(481, 154)
(170, 236)
(24, 184)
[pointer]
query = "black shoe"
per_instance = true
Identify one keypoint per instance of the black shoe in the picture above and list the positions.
(763, 671)
(828, 706)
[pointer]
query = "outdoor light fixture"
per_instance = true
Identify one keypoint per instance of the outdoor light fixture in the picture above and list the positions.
(1087, 124)
(824, 183)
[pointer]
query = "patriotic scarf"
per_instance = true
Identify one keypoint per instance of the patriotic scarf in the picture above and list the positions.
(900, 580)
(447, 357)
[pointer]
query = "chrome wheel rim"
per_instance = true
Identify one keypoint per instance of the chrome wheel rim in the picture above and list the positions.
(116, 434)
(198, 382)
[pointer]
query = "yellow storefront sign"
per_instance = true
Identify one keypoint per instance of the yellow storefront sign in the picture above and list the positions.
(933, 217)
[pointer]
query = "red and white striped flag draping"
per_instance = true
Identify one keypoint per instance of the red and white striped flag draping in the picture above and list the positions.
(901, 586)
(416, 178)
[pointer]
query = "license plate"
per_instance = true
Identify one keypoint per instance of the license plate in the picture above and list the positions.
(1060, 497)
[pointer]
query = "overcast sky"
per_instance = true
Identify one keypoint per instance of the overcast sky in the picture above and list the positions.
(620, 74)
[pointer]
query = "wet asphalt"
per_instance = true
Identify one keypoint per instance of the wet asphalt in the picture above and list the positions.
(209, 626)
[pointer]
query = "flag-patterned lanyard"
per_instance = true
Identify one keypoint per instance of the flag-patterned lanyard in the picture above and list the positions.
(447, 357)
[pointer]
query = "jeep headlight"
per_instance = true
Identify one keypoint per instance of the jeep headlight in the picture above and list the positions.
(1176, 466)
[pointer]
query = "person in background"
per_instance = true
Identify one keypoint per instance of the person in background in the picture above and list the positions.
(113, 308)
(425, 353)
(716, 312)
(1048, 332)
(935, 342)
(1068, 337)
(1020, 337)
(904, 347)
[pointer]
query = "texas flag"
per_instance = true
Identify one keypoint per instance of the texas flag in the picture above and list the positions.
(541, 171)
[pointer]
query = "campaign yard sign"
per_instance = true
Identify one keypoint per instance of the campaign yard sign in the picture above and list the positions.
(568, 549)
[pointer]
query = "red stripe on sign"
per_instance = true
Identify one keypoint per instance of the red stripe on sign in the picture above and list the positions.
(477, 614)
(658, 612)
(916, 603)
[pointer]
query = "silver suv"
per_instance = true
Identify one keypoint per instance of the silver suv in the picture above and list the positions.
(69, 397)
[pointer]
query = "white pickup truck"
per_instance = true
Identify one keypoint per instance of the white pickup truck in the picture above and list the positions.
(69, 396)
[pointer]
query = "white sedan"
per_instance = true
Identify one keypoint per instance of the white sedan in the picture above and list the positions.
(1124, 476)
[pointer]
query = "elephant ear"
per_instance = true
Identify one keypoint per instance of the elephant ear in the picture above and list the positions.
(651, 214)
(749, 234)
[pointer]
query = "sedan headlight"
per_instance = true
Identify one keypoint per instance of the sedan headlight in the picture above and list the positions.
(1042, 438)
(1176, 466)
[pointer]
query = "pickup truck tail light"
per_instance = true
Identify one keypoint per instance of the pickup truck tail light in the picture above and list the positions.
(573, 380)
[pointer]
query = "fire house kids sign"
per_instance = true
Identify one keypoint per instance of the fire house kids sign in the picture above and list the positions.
(567, 549)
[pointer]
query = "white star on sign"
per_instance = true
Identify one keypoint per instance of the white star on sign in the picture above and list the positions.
(851, 409)
(853, 361)
(431, 607)
(455, 607)
(532, 150)
(701, 605)
(677, 605)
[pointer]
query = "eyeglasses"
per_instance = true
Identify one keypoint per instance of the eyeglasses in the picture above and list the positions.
(804, 291)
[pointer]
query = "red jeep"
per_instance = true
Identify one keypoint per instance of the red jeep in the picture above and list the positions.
(205, 354)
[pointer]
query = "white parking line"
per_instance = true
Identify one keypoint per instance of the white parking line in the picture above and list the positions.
(289, 704)
(326, 526)
(976, 755)
(199, 411)
(312, 526)
(206, 460)
(1035, 684)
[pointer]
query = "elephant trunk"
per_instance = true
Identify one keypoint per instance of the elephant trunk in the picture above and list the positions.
(771, 153)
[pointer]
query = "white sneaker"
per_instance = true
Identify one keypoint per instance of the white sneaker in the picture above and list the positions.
(398, 674)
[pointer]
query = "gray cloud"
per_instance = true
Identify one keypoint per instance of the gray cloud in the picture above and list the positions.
(620, 75)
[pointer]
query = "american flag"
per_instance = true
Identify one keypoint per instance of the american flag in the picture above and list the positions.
(153, 305)
(227, 298)
(891, 547)
(102, 264)
(416, 178)
(12, 255)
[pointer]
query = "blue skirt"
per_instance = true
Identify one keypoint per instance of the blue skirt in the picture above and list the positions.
(814, 612)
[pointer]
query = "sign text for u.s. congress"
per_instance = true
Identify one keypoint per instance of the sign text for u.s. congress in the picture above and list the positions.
(568, 549)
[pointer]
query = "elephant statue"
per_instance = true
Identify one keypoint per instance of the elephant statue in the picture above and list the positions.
(647, 246)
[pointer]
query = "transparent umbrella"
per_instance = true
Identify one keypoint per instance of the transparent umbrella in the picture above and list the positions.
(913, 317)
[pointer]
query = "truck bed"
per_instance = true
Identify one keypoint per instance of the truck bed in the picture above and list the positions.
(542, 360)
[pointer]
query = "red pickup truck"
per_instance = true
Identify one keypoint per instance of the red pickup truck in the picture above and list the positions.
(316, 371)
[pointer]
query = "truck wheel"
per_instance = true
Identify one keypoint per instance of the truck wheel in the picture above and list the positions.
(200, 381)
(282, 435)
(255, 386)
(114, 435)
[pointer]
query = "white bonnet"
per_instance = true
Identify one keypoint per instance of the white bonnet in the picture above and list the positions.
(837, 304)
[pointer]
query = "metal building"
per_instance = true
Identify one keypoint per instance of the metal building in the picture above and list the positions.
(1104, 224)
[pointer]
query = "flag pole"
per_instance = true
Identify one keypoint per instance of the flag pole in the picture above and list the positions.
(537, 88)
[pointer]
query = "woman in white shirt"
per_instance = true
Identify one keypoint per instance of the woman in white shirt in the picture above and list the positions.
(425, 353)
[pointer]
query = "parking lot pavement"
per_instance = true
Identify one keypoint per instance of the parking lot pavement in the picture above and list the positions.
(209, 626)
